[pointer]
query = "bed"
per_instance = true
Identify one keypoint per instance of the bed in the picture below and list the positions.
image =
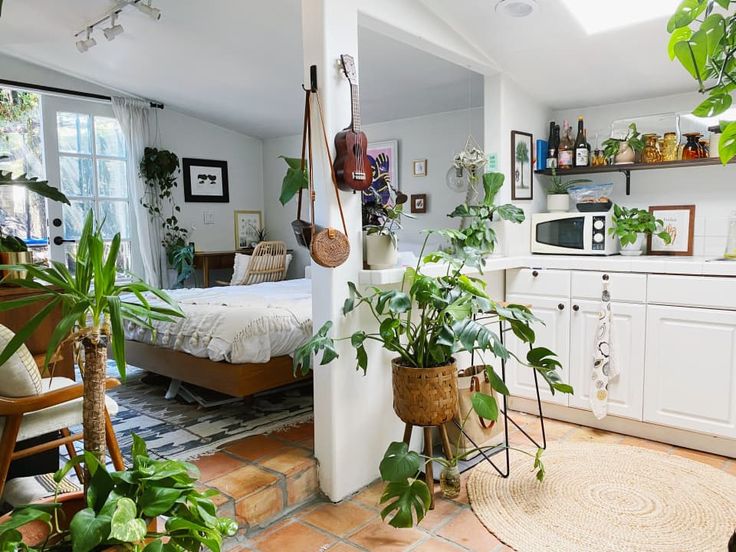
(235, 340)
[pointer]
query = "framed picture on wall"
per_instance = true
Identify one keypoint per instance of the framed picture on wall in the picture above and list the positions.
(418, 203)
(384, 158)
(419, 167)
(679, 222)
(522, 169)
(205, 181)
(247, 227)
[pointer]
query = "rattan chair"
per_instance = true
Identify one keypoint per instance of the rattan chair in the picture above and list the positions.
(267, 264)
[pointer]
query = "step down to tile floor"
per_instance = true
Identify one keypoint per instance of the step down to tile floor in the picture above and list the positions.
(262, 478)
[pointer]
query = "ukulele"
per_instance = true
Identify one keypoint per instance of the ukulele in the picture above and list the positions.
(352, 165)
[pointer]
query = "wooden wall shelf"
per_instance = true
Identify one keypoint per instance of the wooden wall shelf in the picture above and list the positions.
(627, 169)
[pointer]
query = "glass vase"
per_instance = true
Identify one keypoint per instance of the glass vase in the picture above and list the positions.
(651, 151)
(450, 482)
(669, 148)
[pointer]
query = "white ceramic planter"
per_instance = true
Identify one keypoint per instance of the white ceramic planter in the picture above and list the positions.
(380, 252)
(625, 155)
(558, 203)
(633, 249)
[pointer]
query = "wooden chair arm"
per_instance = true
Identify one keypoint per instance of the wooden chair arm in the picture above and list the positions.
(23, 405)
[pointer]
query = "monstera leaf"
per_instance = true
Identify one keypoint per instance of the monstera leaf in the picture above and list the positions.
(406, 500)
(41, 187)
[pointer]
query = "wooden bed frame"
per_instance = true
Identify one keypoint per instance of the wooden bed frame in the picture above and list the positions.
(238, 380)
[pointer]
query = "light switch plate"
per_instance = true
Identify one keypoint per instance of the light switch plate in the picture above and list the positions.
(209, 217)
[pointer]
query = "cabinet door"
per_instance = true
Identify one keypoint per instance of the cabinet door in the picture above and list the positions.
(625, 391)
(554, 334)
(690, 379)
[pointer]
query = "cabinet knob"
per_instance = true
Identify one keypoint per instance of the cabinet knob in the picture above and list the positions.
(606, 277)
(561, 306)
(576, 308)
(535, 273)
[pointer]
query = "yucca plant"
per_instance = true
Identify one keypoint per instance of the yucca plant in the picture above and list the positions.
(94, 305)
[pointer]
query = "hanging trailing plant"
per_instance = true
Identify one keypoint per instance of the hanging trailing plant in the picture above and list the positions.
(15, 104)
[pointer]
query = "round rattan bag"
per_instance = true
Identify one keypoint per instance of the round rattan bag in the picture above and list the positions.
(330, 247)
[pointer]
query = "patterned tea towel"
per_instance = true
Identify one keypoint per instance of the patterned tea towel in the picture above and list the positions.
(604, 367)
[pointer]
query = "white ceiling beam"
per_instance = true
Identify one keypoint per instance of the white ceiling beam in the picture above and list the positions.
(413, 23)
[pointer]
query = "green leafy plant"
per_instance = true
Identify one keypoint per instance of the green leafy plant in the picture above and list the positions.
(93, 307)
(703, 40)
(612, 146)
(295, 179)
(119, 507)
(558, 187)
(629, 222)
(15, 104)
(383, 218)
(181, 258)
(432, 318)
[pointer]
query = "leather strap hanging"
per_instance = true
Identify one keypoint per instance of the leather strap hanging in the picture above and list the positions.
(302, 228)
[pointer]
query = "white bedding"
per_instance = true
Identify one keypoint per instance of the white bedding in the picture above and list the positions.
(236, 323)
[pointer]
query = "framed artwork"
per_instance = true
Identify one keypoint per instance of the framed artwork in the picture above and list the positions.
(384, 158)
(247, 225)
(419, 167)
(679, 223)
(205, 181)
(419, 203)
(522, 170)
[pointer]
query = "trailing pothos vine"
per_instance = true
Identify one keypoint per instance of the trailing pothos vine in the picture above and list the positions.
(159, 169)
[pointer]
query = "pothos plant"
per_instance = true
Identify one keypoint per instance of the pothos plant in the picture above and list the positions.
(428, 321)
(382, 216)
(119, 507)
(159, 170)
(628, 223)
(612, 146)
(703, 39)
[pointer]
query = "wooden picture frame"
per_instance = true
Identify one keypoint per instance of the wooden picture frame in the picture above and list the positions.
(418, 203)
(205, 181)
(419, 167)
(244, 223)
(522, 165)
(679, 221)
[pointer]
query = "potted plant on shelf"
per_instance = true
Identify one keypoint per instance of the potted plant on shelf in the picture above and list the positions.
(425, 324)
(631, 226)
(381, 222)
(115, 506)
(558, 200)
(623, 152)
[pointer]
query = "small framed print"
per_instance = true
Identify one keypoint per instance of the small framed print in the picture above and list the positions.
(419, 203)
(205, 181)
(522, 168)
(247, 226)
(420, 167)
(679, 222)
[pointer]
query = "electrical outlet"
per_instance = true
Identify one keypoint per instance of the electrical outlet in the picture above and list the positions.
(209, 217)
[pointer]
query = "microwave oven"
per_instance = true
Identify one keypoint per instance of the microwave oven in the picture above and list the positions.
(573, 234)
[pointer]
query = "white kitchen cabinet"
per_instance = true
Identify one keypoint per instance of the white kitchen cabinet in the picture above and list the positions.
(554, 334)
(690, 379)
(625, 391)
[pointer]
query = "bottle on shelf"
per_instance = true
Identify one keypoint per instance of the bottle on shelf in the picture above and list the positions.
(553, 142)
(582, 151)
(566, 149)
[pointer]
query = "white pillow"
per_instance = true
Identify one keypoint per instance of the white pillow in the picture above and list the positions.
(19, 376)
(240, 267)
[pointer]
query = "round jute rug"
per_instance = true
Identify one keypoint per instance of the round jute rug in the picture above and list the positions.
(601, 497)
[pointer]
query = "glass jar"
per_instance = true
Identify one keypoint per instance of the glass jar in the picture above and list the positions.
(692, 149)
(450, 482)
(704, 148)
(731, 239)
(669, 147)
(651, 150)
(598, 159)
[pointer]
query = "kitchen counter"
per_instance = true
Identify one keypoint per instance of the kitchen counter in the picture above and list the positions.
(646, 264)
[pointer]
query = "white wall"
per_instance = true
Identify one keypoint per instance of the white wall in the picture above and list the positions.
(436, 137)
(710, 189)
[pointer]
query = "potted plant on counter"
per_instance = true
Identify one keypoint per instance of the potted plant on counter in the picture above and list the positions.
(623, 152)
(632, 225)
(381, 222)
(558, 200)
(425, 323)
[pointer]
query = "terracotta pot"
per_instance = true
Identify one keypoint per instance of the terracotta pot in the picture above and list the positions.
(380, 252)
(14, 258)
(424, 396)
(35, 533)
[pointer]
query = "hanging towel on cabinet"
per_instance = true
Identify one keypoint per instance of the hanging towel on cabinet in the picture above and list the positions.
(604, 366)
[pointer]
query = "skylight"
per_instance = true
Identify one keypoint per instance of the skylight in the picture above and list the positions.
(596, 16)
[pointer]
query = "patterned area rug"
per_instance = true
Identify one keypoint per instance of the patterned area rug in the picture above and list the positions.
(179, 430)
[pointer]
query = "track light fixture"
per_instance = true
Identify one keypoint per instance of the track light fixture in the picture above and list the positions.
(114, 29)
(85, 44)
(145, 7)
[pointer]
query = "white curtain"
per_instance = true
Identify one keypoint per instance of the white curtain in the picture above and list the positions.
(133, 116)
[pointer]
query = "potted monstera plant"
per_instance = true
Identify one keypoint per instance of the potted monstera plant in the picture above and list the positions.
(425, 324)
(116, 507)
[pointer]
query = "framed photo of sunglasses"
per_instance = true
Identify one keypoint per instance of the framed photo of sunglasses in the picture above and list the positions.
(205, 181)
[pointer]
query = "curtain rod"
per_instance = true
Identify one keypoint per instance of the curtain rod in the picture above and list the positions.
(66, 92)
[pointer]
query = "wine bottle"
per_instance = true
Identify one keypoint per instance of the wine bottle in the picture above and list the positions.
(566, 149)
(552, 144)
(582, 153)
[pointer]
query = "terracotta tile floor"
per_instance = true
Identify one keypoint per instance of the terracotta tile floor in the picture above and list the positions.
(355, 524)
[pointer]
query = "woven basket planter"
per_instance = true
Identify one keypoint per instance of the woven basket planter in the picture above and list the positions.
(424, 396)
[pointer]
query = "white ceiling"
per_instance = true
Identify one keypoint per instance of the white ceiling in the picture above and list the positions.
(238, 63)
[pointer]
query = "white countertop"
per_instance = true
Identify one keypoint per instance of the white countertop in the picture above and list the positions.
(648, 264)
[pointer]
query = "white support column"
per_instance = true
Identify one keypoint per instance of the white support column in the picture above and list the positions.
(354, 420)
